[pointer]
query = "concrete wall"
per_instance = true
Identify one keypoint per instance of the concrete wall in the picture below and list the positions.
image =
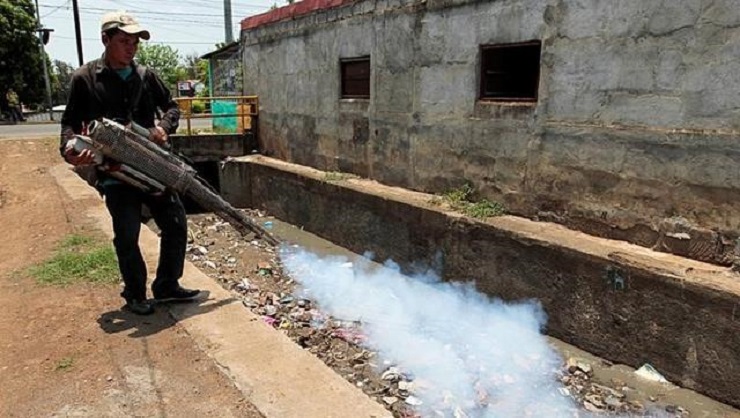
(620, 301)
(634, 135)
(213, 147)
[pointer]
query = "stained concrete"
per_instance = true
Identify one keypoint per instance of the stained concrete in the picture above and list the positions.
(213, 147)
(633, 136)
(617, 300)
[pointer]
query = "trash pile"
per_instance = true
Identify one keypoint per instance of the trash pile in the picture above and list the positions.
(577, 376)
(252, 270)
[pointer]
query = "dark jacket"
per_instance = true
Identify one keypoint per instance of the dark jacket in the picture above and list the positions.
(98, 91)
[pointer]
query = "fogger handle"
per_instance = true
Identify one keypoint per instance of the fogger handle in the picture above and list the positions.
(140, 129)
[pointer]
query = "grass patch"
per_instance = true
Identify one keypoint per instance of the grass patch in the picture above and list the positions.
(484, 209)
(461, 200)
(459, 197)
(64, 363)
(338, 176)
(78, 259)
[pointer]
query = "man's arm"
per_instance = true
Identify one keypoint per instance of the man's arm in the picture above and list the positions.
(163, 100)
(75, 110)
(72, 119)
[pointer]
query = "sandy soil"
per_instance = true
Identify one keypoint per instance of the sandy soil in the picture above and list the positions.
(70, 351)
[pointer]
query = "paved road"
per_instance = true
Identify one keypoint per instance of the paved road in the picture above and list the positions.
(27, 131)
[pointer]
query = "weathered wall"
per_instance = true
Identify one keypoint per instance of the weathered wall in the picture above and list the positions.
(210, 147)
(634, 135)
(617, 300)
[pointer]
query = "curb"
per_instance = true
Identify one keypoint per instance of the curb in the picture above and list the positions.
(274, 374)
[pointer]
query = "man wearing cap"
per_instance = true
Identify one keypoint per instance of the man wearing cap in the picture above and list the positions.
(117, 88)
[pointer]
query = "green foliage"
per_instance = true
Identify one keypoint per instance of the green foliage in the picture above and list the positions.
(459, 196)
(163, 60)
(76, 241)
(196, 68)
(461, 199)
(198, 106)
(204, 92)
(60, 82)
(484, 209)
(78, 259)
(170, 66)
(20, 54)
(202, 70)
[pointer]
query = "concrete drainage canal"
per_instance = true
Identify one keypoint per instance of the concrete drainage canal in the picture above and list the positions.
(418, 340)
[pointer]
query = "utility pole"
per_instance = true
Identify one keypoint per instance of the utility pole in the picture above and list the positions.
(227, 22)
(41, 31)
(78, 32)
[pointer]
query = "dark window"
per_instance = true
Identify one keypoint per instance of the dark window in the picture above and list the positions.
(510, 72)
(355, 78)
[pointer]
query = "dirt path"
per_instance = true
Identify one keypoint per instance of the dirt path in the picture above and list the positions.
(70, 351)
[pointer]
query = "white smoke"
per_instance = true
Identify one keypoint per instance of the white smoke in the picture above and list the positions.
(470, 355)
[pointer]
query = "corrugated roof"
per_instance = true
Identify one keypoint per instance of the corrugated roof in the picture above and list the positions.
(224, 48)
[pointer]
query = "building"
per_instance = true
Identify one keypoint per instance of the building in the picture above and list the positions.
(619, 119)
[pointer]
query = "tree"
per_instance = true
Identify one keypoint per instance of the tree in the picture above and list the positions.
(61, 78)
(20, 54)
(163, 59)
(197, 68)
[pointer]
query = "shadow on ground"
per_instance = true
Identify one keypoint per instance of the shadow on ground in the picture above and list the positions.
(120, 320)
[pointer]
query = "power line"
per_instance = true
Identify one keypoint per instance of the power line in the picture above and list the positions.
(195, 3)
(146, 12)
(134, 9)
(151, 42)
(96, 10)
(137, 11)
(55, 8)
(166, 25)
(209, 23)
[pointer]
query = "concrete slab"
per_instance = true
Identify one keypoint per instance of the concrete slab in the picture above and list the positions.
(274, 374)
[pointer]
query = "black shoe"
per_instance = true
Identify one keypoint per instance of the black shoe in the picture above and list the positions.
(139, 307)
(178, 294)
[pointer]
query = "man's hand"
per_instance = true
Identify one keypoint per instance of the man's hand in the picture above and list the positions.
(158, 135)
(85, 157)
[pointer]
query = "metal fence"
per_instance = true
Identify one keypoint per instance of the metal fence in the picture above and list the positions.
(229, 114)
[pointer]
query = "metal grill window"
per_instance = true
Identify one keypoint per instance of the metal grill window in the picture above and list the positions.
(355, 78)
(510, 72)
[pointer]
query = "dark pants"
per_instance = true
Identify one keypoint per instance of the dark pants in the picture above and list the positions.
(15, 114)
(124, 205)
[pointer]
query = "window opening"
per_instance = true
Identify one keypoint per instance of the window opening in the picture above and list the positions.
(510, 72)
(355, 78)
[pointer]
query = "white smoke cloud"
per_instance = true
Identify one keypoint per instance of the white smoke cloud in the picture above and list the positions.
(470, 355)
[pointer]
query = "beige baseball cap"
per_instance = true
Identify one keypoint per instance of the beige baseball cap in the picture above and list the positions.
(125, 22)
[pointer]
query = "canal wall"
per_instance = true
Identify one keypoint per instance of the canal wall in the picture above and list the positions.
(618, 300)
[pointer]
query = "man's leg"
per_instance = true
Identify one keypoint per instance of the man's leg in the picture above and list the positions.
(124, 205)
(169, 215)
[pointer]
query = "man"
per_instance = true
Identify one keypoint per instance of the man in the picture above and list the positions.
(115, 87)
(14, 104)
